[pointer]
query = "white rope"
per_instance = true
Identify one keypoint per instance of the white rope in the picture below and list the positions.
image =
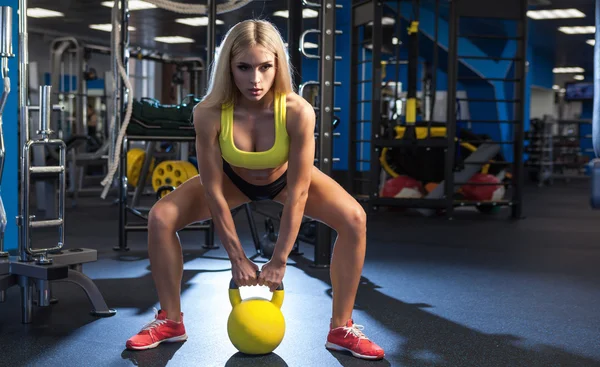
(183, 8)
(116, 34)
(112, 166)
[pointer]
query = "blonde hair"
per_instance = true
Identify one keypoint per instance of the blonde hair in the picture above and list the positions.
(221, 87)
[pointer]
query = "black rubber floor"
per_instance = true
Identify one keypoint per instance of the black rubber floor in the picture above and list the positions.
(475, 291)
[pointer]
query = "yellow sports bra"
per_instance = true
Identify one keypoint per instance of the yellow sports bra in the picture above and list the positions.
(272, 158)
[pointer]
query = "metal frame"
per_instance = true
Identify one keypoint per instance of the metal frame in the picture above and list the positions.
(365, 186)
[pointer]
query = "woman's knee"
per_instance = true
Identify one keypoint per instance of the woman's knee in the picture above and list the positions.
(163, 216)
(356, 220)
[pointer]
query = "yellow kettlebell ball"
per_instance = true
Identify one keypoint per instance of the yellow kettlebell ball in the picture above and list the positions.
(255, 325)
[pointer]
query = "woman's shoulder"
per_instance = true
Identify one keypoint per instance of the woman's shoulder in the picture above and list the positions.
(298, 106)
(205, 115)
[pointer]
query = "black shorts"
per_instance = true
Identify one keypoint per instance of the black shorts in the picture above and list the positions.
(256, 192)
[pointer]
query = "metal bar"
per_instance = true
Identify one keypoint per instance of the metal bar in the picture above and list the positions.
(519, 113)
(327, 34)
(293, 39)
(137, 194)
(46, 223)
(353, 115)
(23, 123)
(124, 93)
(211, 32)
(47, 169)
(375, 166)
(451, 105)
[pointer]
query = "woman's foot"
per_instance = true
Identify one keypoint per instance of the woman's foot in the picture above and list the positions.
(160, 330)
(351, 338)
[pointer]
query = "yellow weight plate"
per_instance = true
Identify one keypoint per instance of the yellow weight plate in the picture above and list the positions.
(135, 161)
(172, 173)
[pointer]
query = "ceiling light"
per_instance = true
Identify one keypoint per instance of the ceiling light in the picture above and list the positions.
(133, 5)
(388, 21)
(173, 39)
(579, 77)
(578, 30)
(196, 22)
(107, 27)
(43, 13)
(568, 70)
(591, 42)
(555, 14)
(555, 87)
(306, 13)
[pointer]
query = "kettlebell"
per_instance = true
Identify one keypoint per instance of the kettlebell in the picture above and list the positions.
(255, 325)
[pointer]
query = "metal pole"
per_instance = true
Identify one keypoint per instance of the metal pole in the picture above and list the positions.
(519, 127)
(451, 109)
(375, 118)
(293, 38)
(210, 55)
(211, 33)
(24, 117)
(122, 106)
(326, 105)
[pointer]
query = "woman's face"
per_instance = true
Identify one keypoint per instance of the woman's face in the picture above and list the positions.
(254, 72)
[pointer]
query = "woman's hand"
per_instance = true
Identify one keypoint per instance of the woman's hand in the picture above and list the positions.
(271, 274)
(244, 272)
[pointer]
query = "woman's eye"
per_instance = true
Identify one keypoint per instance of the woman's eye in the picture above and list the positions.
(267, 67)
(243, 67)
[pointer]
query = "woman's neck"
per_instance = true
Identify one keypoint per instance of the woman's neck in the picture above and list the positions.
(264, 103)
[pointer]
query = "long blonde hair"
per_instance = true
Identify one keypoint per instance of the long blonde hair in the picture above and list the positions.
(221, 87)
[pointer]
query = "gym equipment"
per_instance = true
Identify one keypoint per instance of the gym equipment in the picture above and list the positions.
(149, 117)
(483, 187)
(126, 225)
(472, 164)
(172, 173)
(269, 239)
(38, 267)
(402, 187)
(135, 160)
(164, 191)
(5, 54)
(255, 325)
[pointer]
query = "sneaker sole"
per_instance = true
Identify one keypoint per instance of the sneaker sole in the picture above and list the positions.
(175, 339)
(336, 347)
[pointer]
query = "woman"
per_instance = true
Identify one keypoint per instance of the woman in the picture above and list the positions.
(255, 141)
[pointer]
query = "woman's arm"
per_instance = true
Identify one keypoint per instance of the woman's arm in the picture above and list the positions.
(210, 164)
(301, 127)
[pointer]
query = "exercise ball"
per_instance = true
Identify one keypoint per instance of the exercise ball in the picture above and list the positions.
(486, 192)
(255, 325)
(402, 187)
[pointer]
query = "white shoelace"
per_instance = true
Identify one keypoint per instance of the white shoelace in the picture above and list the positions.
(356, 330)
(154, 323)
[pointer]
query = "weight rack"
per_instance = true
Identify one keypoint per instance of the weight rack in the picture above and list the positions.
(367, 139)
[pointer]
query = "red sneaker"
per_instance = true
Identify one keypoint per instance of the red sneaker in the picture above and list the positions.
(351, 338)
(158, 331)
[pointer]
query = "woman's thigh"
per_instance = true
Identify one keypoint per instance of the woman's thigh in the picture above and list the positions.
(187, 204)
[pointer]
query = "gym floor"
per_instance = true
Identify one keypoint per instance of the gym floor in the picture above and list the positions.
(475, 291)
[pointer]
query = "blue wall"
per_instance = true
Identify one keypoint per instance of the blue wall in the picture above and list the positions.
(10, 127)
(540, 57)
